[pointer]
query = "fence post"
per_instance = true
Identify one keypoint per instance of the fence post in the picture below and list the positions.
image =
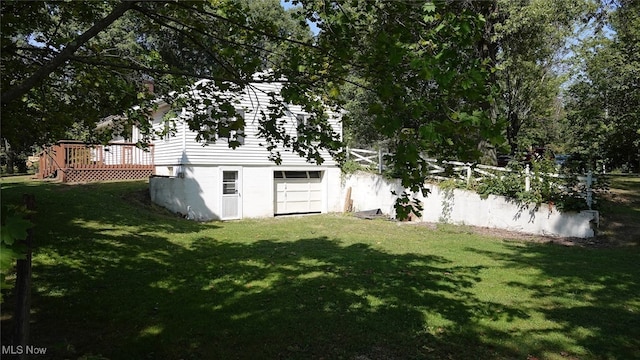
(23, 286)
(380, 161)
(469, 172)
(589, 191)
(527, 179)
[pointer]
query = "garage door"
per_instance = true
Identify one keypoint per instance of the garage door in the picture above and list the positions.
(297, 192)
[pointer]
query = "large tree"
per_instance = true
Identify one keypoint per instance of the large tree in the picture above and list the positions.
(604, 102)
(428, 66)
(526, 42)
(66, 63)
(423, 68)
(532, 37)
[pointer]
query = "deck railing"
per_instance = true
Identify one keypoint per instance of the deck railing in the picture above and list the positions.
(74, 161)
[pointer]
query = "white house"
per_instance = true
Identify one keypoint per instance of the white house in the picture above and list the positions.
(217, 182)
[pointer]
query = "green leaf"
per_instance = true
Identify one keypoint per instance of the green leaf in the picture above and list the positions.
(8, 258)
(429, 7)
(15, 229)
(438, 28)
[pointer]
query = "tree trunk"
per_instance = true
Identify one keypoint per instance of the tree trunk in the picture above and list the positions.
(513, 128)
(10, 161)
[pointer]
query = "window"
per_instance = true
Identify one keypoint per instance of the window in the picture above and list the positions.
(166, 135)
(168, 124)
(314, 174)
(304, 127)
(297, 174)
(301, 123)
(226, 131)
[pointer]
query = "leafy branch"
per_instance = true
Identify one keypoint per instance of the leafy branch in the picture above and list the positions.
(12, 232)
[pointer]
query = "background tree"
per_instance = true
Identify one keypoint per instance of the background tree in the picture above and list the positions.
(604, 102)
(422, 70)
(532, 37)
(526, 41)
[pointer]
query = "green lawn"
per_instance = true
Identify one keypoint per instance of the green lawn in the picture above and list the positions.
(117, 277)
(620, 211)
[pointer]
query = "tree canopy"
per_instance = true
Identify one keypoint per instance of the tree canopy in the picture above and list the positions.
(604, 101)
(427, 65)
(70, 62)
(450, 78)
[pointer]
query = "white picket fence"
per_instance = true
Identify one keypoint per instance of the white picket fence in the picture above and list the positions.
(469, 172)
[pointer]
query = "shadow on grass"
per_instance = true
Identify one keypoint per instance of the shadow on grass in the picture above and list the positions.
(114, 203)
(114, 279)
(593, 294)
(139, 297)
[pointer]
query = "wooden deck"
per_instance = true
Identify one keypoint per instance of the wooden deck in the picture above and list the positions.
(74, 161)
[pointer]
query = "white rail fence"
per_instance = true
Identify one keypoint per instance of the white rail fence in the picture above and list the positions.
(470, 172)
(368, 158)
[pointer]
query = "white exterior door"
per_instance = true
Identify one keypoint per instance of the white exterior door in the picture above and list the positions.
(297, 192)
(231, 202)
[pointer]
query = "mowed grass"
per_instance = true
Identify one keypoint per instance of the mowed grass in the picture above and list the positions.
(116, 277)
(620, 211)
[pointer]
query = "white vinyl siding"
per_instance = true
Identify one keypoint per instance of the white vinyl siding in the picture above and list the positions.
(167, 151)
(183, 149)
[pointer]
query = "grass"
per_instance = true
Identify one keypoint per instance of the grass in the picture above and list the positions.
(620, 211)
(117, 278)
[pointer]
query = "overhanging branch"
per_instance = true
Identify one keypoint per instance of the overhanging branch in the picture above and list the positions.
(68, 51)
(150, 70)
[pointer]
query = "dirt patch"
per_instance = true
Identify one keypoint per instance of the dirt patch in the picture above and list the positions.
(142, 199)
(518, 236)
(564, 241)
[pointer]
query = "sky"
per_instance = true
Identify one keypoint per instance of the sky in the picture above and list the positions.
(287, 5)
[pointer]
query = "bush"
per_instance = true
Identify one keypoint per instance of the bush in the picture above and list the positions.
(567, 193)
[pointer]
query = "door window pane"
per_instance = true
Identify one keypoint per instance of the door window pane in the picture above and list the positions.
(229, 182)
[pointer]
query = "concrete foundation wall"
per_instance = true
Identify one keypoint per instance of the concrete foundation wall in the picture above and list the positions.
(455, 206)
(184, 195)
(197, 194)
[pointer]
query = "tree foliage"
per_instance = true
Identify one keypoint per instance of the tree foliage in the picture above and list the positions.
(53, 78)
(604, 102)
(532, 38)
(526, 41)
(13, 230)
(420, 73)
(427, 67)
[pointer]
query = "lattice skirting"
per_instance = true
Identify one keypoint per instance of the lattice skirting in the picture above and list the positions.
(92, 175)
